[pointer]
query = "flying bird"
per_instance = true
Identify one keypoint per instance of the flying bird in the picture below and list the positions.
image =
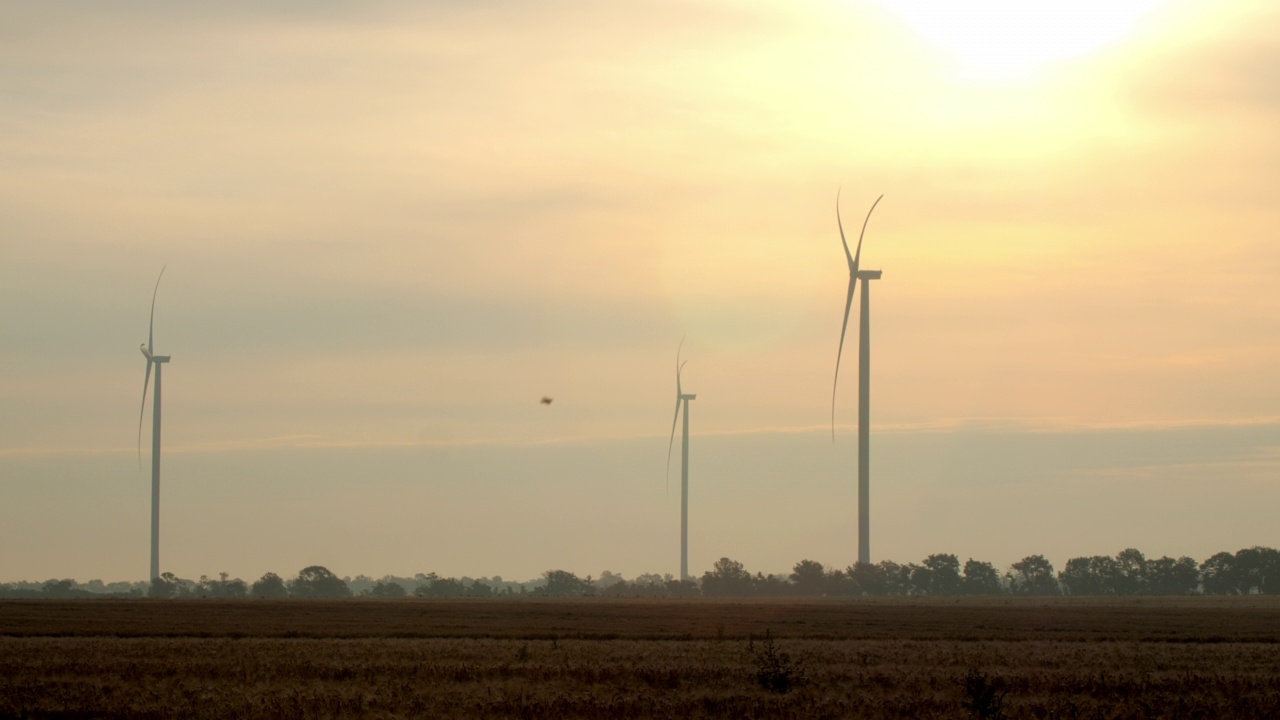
(853, 258)
(545, 400)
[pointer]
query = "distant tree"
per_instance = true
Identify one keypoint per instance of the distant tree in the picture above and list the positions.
(944, 574)
(1096, 575)
(770, 586)
(269, 585)
(1131, 572)
(436, 586)
(167, 585)
(650, 579)
(1257, 570)
(1033, 575)
(632, 589)
(1166, 576)
(562, 583)
(727, 577)
(423, 588)
(837, 583)
(980, 578)
(363, 584)
(622, 589)
(681, 588)
(646, 585)
(608, 579)
(479, 588)
(809, 577)
(223, 587)
(234, 588)
(382, 589)
(897, 578)
(60, 588)
(1270, 568)
(1076, 578)
(1218, 575)
(316, 581)
(865, 579)
(919, 580)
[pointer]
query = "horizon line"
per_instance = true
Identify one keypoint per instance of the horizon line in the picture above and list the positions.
(994, 424)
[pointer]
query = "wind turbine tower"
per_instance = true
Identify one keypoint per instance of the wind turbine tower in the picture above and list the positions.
(864, 417)
(864, 377)
(682, 402)
(158, 361)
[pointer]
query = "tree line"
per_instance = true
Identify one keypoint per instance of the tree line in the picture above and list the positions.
(1248, 571)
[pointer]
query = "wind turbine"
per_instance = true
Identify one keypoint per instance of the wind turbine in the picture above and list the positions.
(682, 398)
(864, 377)
(158, 361)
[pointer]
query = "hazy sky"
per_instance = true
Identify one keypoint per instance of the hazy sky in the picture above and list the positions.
(392, 227)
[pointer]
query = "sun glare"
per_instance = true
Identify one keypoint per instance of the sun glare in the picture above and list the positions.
(1012, 39)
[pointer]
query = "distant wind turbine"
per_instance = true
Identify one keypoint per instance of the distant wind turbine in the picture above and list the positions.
(864, 377)
(158, 361)
(681, 398)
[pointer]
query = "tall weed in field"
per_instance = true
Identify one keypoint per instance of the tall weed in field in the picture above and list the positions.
(983, 696)
(775, 670)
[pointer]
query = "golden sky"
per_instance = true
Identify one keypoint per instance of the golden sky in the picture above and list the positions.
(400, 224)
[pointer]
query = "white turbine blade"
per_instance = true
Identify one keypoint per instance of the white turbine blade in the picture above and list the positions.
(679, 365)
(848, 304)
(152, 325)
(671, 444)
(676, 419)
(142, 412)
(853, 264)
(858, 255)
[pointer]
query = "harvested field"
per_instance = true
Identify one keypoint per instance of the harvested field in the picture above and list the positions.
(1063, 658)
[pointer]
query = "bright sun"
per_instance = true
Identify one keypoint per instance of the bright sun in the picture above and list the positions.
(1010, 39)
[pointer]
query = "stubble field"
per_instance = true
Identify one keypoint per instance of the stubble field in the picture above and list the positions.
(595, 658)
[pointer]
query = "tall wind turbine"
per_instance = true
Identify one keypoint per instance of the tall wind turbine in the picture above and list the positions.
(864, 377)
(682, 398)
(158, 361)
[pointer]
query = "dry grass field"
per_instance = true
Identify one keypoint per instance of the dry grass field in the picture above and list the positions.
(901, 658)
